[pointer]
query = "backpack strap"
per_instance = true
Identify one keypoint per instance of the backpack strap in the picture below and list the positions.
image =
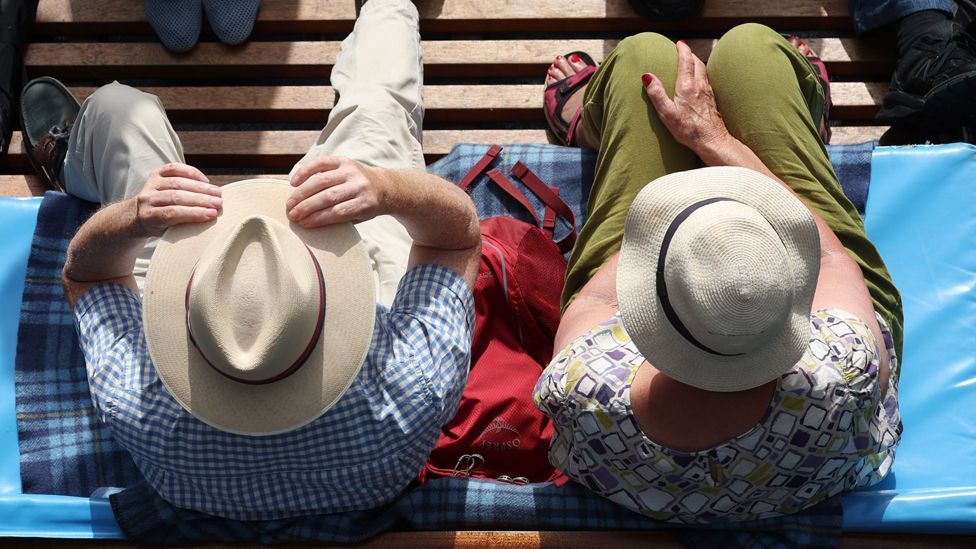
(479, 167)
(549, 197)
(504, 184)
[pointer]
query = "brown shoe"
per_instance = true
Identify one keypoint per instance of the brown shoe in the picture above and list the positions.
(47, 114)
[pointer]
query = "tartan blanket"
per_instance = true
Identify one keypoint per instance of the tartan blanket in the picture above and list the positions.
(65, 450)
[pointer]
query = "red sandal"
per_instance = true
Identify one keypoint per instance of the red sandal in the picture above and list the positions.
(556, 95)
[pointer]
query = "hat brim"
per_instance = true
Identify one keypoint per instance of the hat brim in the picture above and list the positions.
(329, 370)
(641, 310)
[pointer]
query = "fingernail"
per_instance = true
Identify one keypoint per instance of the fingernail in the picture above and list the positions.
(574, 58)
(682, 42)
(215, 202)
(647, 78)
(289, 203)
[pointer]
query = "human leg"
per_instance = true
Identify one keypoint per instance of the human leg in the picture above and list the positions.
(120, 136)
(869, 15)
(378, 118)
(634, 147)
(770, 98)
(16, 17)
(935, 65)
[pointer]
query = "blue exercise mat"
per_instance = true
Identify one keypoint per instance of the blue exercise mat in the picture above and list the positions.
(921, 215)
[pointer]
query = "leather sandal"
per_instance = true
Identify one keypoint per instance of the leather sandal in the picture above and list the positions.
(47, 115)
(556, 95)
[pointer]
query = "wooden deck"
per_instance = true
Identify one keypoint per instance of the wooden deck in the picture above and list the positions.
(256, 108)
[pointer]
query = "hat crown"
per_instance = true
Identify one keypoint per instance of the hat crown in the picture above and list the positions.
(728, 278)
(253, 302)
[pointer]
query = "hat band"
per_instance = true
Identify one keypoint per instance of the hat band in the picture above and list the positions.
(313, 341)
(662, 287)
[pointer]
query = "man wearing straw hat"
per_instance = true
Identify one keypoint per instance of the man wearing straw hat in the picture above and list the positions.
(284, 360)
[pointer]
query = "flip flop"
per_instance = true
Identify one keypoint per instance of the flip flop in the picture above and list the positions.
(821, 70)
(558, 92)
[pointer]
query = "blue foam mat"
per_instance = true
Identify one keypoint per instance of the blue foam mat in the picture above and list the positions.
(921, 213)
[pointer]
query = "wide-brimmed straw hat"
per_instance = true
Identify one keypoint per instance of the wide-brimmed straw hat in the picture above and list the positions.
(716, 277)
(256, 325)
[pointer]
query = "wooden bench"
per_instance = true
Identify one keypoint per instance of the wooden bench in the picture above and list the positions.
(255, 108)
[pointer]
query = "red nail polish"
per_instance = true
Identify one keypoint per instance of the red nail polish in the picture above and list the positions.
(574, 58)
(682, 42)
(647, 79)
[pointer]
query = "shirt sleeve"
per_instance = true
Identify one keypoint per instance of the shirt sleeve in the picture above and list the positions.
(109, 323)
(429, 328)
(852, 347)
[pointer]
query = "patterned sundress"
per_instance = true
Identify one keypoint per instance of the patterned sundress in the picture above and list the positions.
(827, 429)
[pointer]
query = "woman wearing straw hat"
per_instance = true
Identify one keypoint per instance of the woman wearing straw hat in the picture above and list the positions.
(727, 346)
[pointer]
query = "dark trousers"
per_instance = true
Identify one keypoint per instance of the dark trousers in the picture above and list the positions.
(874, 14)
(16, 17)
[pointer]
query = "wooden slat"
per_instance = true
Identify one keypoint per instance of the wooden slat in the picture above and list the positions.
(455, 16)
(281, 149)
(554, 540)
(847, 135)
(508, 103)
(453, 58)
(516, 103)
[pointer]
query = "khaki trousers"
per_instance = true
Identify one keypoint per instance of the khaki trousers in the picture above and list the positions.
(122, 134)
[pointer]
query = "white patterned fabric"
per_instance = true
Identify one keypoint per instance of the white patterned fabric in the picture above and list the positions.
(827, 429)
(358, 455)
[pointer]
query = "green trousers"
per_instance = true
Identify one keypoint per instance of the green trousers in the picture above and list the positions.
(770, 99)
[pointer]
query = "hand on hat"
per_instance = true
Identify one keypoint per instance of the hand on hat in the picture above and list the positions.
(331, 190)
(175, 194)
(692, 116)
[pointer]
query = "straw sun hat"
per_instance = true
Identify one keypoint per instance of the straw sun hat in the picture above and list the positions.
(255, 325)
(716, 277)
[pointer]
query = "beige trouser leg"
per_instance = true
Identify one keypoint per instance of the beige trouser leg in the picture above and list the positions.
(378, 117)
(120, 136)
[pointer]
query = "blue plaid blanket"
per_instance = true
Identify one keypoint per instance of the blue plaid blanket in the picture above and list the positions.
(65, 450)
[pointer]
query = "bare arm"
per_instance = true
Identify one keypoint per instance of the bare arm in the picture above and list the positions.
(105, 248)
(694, 120)
(439, 217)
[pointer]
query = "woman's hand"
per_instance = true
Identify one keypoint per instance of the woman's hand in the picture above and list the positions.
(692, 116)
(331, 189)
(175, 194)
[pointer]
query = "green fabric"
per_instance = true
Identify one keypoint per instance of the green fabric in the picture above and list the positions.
(769, 97)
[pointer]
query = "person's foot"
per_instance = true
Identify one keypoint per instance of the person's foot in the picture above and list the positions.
(177, 22)
(232, 20)
(934, 78)
(47, 114)
(575, 71)
(821, 70)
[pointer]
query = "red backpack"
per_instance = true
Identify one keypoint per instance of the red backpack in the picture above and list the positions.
(498, 432)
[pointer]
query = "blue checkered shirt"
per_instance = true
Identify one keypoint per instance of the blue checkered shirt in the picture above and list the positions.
(360, 454)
